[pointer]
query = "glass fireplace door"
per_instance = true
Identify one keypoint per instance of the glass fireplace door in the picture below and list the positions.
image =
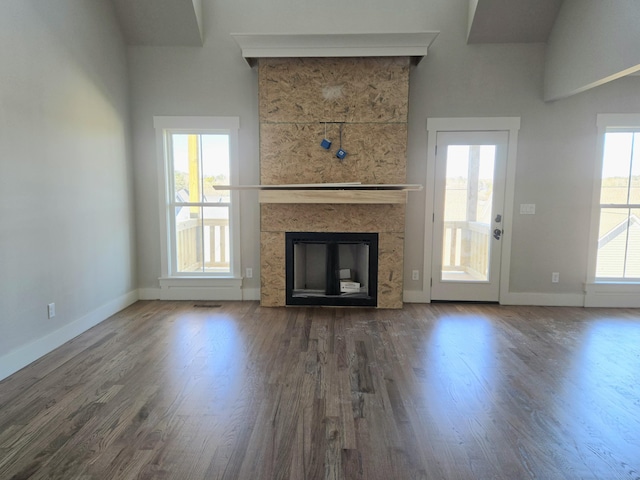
(337, 269)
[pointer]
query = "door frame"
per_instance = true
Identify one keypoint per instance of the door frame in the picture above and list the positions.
(468, 289)
(435, 125)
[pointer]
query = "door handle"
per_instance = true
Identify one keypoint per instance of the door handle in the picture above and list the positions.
(497, 233)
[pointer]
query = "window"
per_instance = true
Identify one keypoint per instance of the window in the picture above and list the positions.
(618, 256)
(613, 278)
(200, 225)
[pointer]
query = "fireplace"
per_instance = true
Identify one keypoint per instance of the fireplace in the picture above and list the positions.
(361, 103)
(335, 269)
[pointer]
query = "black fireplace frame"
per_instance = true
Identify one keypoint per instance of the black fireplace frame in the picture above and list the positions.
(333, 297)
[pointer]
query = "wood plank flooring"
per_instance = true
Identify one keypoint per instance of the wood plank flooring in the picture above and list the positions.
(230, 390)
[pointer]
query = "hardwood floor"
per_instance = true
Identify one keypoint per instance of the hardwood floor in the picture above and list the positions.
(167, 390)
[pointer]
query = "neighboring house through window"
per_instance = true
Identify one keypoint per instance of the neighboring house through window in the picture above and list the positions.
(615, 252)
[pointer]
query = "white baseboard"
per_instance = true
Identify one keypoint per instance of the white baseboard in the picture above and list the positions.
(199, 293)
(415, 296)
(250, 294)
(195, 288)
(612, 301)
(23, 356)
(612, 295)
(513, 298)
(543, 299)
(149, 293)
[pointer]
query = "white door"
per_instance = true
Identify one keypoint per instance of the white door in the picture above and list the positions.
(468, 215)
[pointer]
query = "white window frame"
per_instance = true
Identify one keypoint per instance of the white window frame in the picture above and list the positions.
(197, 286)
(614, 292)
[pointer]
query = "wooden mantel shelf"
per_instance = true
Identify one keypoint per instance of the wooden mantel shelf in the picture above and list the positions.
(330, 192)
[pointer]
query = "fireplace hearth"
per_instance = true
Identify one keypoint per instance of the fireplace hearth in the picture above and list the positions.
(331, 268)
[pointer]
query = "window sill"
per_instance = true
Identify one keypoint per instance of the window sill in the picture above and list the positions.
(612, 294)
(200, 288)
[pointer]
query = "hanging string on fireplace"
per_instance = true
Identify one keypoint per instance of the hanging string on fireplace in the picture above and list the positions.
(341, 153)
(325, 143)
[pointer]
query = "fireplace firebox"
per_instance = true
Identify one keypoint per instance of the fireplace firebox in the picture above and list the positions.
(334, 269)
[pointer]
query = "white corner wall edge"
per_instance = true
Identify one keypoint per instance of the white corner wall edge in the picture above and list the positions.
(197, 10)
(266, 45)
(473, 6)
(592, 42)
(23, 356)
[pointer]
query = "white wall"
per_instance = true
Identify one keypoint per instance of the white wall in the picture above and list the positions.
(592, 42)
(556, 145)
(556, 149)
(215, 80)
(66, 189)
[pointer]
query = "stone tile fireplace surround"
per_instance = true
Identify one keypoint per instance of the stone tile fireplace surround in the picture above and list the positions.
(368, 98)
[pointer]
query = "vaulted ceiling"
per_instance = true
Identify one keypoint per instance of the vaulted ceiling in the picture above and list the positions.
(178, 22)
(160, 22)
(572, 66)
(512, 21)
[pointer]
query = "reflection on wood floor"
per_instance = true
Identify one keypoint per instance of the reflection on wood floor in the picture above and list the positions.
(231, 390)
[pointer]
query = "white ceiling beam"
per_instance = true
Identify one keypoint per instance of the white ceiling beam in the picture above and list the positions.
(509, 21)
(160, 22)
(592, 42)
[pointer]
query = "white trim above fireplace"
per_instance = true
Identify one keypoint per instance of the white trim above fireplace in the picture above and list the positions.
(265, 45)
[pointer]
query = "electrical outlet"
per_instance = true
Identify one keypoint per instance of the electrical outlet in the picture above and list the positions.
(248, 272)
(555, 277)
(51, 310)
(527, 209)
(415, 275)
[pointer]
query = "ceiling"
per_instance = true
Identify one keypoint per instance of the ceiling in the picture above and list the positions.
(513, 21)
(177, 22)
(160, 22)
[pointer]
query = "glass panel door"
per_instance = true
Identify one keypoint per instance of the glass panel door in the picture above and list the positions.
(468, 201)
(468, 222)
